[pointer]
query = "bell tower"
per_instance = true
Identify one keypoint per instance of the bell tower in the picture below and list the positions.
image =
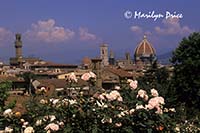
(104, 54)
(18, 46)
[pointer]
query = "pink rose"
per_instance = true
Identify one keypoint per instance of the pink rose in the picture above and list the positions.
(141, 93)
(120, 99)
(161, 100)
(119, 124)
(72, 77)
(85, 76)
(106, 120)
(133, 84)
(117, 87)
(129, 80)
(140, 107)
(52, 126)
(110, 97)
(159, 110)
(115, 93)
(154, 92)
(29, 130)
(92, 75)
(146, 97)
(101, 97)
(131, 111)
(155, 102)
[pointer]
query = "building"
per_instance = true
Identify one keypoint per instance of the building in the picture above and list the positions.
(96, 62)
(104, 54)
(19, 60)
(125, 62)
(111, 58)
(86, 63)
(112, 76)
(43, 66)
(59, 86)
(144, 52)
(19, 85)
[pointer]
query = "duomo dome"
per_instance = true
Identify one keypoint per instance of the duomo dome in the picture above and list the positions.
(144, 52)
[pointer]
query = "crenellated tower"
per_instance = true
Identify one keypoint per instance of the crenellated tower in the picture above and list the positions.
(18, 46)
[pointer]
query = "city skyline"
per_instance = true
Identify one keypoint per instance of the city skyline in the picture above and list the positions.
(67, 31)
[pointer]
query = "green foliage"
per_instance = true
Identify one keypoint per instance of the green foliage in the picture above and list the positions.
(86, 115)
(90, 114)
(27, 76)
(186, 80)
(158, 78)
(4, 87)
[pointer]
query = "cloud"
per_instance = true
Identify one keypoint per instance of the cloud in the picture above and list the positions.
(85, 35)
(172, 26)
(48, 32)
(5, 35)
(136, 29)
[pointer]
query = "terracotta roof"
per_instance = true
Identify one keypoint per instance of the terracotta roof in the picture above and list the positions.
(4, 78)
(86, 61)
(48, 73)
(132, 68)
(59, 83)
(129, 68)
(144, 48)
(47, 64)
(119, 72)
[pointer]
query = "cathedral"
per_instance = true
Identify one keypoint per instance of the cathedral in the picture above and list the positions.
(144, 52)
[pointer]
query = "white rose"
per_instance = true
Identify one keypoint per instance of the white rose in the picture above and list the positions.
(38, 122)
(8, 130)
(8, 113)
(29, 130)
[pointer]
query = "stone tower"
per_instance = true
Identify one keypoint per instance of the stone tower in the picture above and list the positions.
(97, 70)
(104, 54)
(128, 58)
(111, 58)
(18, 46)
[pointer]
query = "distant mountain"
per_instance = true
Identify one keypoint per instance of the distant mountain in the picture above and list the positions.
(164, 58)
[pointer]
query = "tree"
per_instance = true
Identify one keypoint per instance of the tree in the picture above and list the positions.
(186, 79)
(28, 77)
(4, 87)
(158, 78)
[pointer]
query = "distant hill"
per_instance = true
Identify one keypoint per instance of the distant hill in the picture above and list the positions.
(164, 58)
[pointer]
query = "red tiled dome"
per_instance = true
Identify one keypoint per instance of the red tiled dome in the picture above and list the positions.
(144, 48)
(86, 61)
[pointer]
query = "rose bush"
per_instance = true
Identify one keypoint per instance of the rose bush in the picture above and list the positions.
(128, 108)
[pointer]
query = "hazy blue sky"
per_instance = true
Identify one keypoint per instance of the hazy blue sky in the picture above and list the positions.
(68, 30)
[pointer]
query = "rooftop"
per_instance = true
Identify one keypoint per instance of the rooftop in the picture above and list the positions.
(144, 48)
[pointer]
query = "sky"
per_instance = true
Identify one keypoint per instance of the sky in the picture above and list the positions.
(65, 31)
